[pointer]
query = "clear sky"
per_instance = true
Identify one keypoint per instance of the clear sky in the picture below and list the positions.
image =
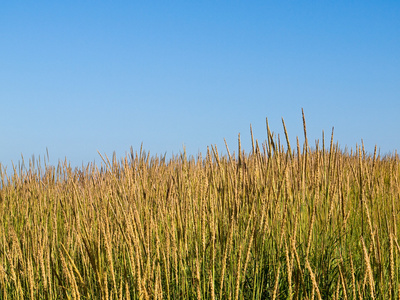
(82, 76)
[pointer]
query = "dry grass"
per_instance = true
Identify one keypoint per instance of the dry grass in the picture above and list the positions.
(274, 223)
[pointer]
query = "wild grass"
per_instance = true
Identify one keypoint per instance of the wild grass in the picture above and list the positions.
(274, 223)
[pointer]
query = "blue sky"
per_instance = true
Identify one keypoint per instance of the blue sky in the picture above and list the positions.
(82, 76)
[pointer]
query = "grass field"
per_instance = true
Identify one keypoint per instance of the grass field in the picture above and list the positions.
(276, 223)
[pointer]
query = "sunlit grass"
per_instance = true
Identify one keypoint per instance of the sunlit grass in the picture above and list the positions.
(274, 223)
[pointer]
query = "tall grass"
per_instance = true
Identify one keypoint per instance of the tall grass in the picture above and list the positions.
(274, 223)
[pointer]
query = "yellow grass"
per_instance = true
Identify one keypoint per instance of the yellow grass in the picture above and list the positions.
(274, 223)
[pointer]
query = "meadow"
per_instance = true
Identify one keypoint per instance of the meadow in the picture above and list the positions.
(280, 222)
